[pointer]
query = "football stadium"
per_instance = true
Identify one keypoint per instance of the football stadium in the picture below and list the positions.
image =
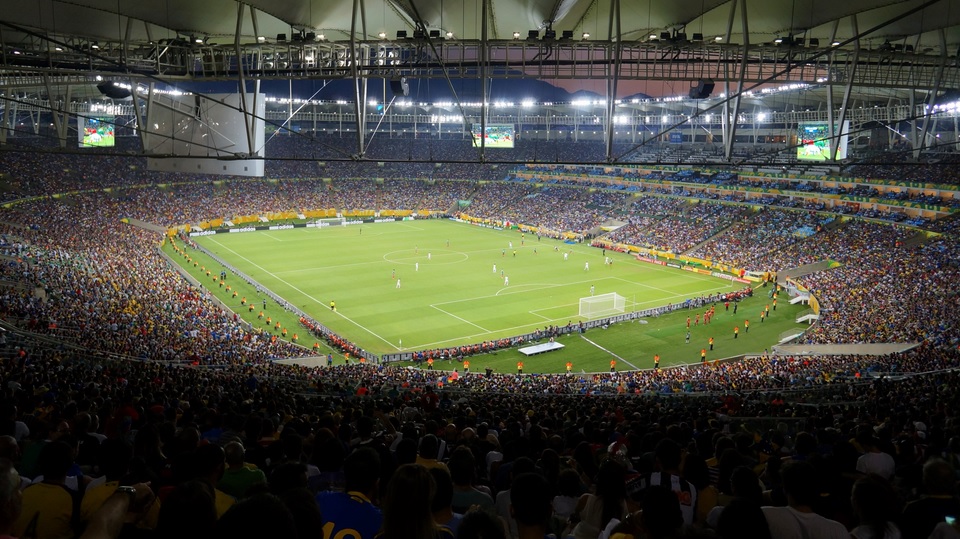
(582, 269)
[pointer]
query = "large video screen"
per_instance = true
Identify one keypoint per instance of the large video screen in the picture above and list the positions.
(813, 141)
(495, 136)
(96, 132)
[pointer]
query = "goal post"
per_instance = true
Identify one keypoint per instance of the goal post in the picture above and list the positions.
(602, 305)
(329, 221)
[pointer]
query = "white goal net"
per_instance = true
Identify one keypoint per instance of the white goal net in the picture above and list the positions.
(602, 305)
(329, 221)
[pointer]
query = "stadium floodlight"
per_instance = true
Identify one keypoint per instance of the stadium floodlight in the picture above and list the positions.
(603, 305)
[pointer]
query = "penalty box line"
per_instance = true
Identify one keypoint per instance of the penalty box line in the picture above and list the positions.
(610, 352)
(464, 320)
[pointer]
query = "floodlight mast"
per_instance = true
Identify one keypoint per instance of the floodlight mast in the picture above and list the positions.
(848, 91)
(730, 116)
(484, 58)
(613, 75)
(360, 92)
(249, 114)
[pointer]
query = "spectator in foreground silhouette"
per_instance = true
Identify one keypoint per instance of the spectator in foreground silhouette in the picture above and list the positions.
(406, 506)
(797, 520)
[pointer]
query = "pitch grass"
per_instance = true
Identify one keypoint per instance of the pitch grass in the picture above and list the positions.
(450, 295)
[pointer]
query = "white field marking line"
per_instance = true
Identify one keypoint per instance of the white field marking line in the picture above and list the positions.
(411, 226)
(464, 320)
(609, 352)
(542, 286)
(476, 335)
(354, 264)
(664, 269)
(442, 254)
(645, 286)
(533, 325)
(523, 288)
(317, 301)
(539, 285)
(658, 301)
(268, 235)
(672, 296)
(411, 257)
(664, 290)
(534, 313)
(286, 272)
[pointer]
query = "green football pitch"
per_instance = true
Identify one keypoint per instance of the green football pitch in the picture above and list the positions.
(414, 285)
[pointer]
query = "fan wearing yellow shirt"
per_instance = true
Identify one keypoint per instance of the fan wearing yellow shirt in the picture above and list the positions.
(50, 510)
(115, 459)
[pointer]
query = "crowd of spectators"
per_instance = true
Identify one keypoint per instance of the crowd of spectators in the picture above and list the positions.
(79, 287)
(77, 275)
(888, 290)
(296, 157)
(698, 181)
(900, 285)
(563, 209)
(551, 208)
(771, 239)
(934, 169)
(675, 225)
(259, 442)
(892, 283)
(746, 242)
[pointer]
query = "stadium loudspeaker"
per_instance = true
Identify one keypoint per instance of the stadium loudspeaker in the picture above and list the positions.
(703, 89)
(113, 91)
(400, 87)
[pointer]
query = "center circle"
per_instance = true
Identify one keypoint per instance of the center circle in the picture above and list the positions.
(437, 257)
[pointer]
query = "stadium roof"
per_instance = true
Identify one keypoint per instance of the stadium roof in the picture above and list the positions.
(823, 20)
(897, 44)
(866, 53)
